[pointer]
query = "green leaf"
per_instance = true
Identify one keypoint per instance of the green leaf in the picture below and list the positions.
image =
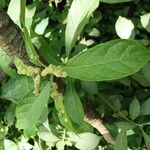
(10, 145)
(134, 108)
(124, 28)
(141, 78)
(30, 109)
(5, 65)
(73, 104)
(2, 3)
(14, 11)
(115, 101)
(84, 127)
(146, 71)
(125, 126)
(78, 17)
(147, 140)
(145, 107)
(60, 145)
(108, 61)
(41, 26)
(115, 1)
(30, 132)
(63, 116)
(121, 141)
(46, 51)
(36, 146)
(85, 141)
(9, 117)
(47, 135)
(90, 87)
(145, 21)
(94, 32)
(34, 58)
(15, 89)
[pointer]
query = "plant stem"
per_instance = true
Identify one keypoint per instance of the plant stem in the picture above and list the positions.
(138, 125)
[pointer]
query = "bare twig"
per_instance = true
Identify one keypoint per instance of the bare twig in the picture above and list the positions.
(97, 123)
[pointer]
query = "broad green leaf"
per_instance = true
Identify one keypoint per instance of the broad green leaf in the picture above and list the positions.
(146, 71)
(2, 145)
(10, 145)
(41, 26)
(73, 104)
(90, 87)
(60, 145)
(9, 117)
(145, 21)
(78, 17)
(4, 64)
(145, 110)
(84, 127)
(134, 108)
(140, 77)
(30, 108)
(85, 141)
(28, 133)
(15, 89)
(124, 28)
(125, 126)
(108, 61)
(24, 144)
(115, 1)
(121, 141)
(63, 116)
(36, 146)
(47, 135)
(147, 140)
(2, 3)
(14, 11)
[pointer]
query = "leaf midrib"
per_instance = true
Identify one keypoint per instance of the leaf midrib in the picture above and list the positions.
(97, 64)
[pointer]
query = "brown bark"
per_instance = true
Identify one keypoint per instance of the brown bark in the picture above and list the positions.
(11, 40)
(97, 123)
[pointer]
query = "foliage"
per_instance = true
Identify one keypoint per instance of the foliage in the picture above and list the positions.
(84, 53)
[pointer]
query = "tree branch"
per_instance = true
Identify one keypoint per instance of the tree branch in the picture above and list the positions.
(11, 40)
(97, 123)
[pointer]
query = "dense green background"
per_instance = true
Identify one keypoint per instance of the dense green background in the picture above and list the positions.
(112, 75)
